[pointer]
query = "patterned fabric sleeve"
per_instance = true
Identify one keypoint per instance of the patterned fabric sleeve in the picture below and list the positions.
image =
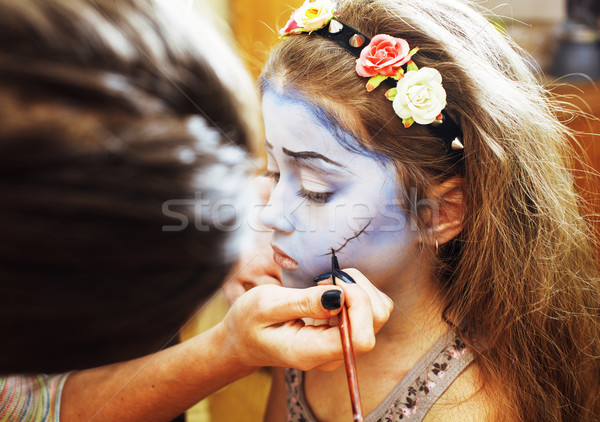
(31, 398)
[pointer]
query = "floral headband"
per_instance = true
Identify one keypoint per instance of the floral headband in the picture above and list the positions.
(417, 94)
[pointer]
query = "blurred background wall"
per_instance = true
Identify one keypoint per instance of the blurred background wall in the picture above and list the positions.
(538, 10)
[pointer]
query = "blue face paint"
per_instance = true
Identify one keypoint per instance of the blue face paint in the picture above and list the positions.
(326, 195)
(326, 119)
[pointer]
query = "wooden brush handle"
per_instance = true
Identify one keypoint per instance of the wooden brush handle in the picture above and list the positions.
(344, 324)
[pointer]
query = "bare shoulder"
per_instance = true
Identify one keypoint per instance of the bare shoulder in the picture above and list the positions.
(464, 401)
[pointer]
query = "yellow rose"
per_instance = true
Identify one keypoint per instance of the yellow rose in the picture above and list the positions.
(315, 14)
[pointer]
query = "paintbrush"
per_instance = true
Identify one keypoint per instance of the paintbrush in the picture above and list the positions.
(348, 350)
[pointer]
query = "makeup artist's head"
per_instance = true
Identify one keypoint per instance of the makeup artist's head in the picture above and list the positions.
(340, 156)
(114, 119)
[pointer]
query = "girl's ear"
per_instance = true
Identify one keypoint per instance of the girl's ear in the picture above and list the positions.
(450, 213)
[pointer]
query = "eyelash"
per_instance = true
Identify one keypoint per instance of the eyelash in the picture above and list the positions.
(315, 197)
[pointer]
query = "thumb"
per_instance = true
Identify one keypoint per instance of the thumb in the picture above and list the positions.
(281, 304)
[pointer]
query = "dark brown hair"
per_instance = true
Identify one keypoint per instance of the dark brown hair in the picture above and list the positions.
(112, 123)
(522, 277)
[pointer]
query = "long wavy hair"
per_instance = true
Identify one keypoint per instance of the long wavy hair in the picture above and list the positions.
(521, 279)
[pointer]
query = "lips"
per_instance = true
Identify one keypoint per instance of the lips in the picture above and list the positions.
(284, 261)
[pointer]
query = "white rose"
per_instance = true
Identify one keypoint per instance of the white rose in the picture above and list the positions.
(315, 14)
(420, 96)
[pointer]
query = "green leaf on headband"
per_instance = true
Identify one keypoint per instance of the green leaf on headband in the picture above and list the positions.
(408, 122)
(411, 66)
(413, 51)
(400, 74)
(391, 93)
(375, 81)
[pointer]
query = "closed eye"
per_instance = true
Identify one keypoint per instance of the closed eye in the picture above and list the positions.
(316, 197)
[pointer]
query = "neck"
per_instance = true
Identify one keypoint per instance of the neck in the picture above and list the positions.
(416, 322)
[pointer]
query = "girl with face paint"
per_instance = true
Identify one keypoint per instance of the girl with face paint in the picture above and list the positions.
(472, 227)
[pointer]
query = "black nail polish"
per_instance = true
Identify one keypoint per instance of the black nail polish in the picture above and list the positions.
(331, 299)
(322, 277)
(344, 277)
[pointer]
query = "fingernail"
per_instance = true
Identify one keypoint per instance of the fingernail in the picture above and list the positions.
(331, 299)
(344, 277)
(322, 277)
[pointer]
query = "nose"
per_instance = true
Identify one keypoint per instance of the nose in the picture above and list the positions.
(275, 215)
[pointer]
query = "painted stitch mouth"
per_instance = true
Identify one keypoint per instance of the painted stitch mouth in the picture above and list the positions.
(348, 239)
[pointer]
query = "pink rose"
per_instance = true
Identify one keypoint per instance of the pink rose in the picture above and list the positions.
(406, 411)
(383, 56)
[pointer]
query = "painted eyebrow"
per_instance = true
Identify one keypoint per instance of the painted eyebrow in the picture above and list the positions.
(309, 155)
